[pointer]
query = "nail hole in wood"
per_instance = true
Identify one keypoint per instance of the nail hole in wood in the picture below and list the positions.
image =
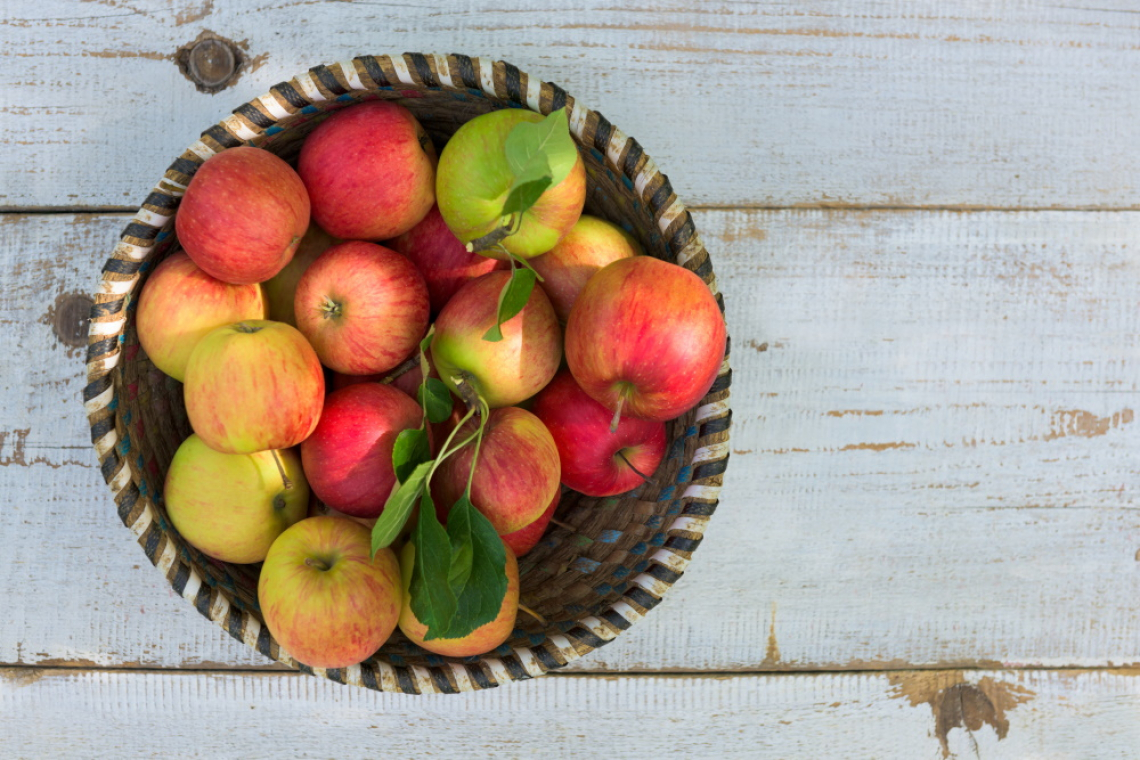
(69, 323)
(211, 62)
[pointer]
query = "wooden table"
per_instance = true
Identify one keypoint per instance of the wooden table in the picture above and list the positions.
(925, 218)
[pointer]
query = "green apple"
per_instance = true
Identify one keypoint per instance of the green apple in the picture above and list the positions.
(280, 290)
(327, 603)
(484, 638)
(254, 385)
(474, 179)
(233, 506)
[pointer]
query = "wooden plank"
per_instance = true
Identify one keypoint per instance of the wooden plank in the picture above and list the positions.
(933, 455)
(893, 102)
(999, 714)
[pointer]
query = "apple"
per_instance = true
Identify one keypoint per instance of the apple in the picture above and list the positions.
(369, 170)
(282, 288)
(503, 372)
(445, 263)
(591, 244)
(253, 385)
(348, 458)
(325, 601)
(645, 338)
(363, 307)
(516, 475)
(474, 179)
(527, 537)
(233, 506)
(180, 304)
(243, 215)
(484, 638)
(594, 460)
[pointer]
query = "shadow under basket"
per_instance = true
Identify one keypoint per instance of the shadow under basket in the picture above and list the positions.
(589, 582)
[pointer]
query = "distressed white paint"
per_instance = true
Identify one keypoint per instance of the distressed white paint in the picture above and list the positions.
(918, 472)
(1067, 716)
(888, 102)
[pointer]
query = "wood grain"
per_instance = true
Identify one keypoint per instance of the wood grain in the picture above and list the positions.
(885, 103)
(933, 455)
(998, 714)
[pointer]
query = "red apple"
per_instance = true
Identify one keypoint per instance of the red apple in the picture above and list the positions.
(233, 506)
(503, 372)
(474, 180)
(348, 458)
(243, 215)
(444, 262)
(591, 244)
(516, 476)
(180, 304)
(253, 385)
(484, 638)
(364, 308)
(645, 338)
(370, 171)
(282, 288)
(594, 460)
(325, 601)
(527, 537)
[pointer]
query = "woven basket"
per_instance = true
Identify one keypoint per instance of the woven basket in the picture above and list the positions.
(589, 583)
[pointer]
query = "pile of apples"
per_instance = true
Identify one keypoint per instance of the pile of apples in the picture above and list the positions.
(309, 315)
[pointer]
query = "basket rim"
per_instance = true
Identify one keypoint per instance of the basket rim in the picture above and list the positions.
(369, 73)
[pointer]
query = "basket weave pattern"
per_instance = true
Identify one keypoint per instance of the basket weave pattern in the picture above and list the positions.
(589, 583)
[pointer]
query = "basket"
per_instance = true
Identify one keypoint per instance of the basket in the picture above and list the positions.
(590, 581)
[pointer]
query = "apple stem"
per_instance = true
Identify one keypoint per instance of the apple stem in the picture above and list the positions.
(319, 564)
(629, 464)
(281, 469)
(532, 613)
(467, 390)
(617, 414)
(330, 308)
(493, 237)
(403, 369)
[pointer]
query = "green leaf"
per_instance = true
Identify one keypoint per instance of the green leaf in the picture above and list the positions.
(480, 598)
(523, 196)
(432, 599)
(512, 299)
(547, 141)
(426, 342)
(459, 532)
(398, 507)
(409, 452)
(435, 398)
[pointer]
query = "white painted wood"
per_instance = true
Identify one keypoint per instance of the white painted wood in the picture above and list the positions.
(890, 102)
(933, 455)
(109, 714)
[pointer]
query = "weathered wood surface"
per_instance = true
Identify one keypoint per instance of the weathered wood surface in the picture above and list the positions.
(905, 716)
(885, 103)
(934, 437)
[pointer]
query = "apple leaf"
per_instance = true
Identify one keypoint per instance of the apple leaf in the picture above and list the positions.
(435, 399)
(545, 143)
(409, 452)
(480, 597)
(524, 195)
(398, 507)
(459, 532)
(512, 299)
(432, 599)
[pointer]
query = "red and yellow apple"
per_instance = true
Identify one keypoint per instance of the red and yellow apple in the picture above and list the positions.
(233, 506)
(369, 170)
(591, 244)
(327, 603)
(253, 385)
(516, 476)
(243, 215)
(595, 460)
(474, 180)
(348, 458)
(503, 372)
(180, 304)
(363, 307)
(282, 288)
(484, 638)
(645, 337)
